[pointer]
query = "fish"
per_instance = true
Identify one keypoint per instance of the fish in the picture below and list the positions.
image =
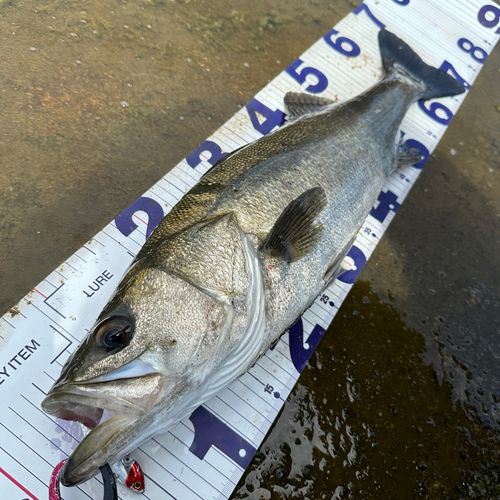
(236, 261)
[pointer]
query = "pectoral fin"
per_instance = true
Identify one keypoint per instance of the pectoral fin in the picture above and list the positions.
(296, 232)
(299, 104)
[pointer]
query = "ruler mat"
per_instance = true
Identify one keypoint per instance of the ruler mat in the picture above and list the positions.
(204, 456)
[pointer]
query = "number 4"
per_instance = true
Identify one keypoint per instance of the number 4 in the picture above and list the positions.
(273, 119)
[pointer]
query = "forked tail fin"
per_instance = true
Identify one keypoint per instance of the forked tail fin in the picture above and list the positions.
(397, 54)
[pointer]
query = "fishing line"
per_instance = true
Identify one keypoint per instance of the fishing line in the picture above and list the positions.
(108, 478)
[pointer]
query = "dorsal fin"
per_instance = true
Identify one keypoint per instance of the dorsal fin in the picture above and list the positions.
(299, 104)
(296, 232)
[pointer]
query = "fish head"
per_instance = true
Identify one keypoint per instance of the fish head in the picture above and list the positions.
(154, 342)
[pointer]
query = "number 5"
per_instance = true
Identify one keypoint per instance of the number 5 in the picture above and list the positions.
(302, 74)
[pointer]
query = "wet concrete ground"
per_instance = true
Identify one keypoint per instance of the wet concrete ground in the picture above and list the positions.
(100, 99)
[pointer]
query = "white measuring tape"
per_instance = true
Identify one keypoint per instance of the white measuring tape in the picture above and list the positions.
(204, 456)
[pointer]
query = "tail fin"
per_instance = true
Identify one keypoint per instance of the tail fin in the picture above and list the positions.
(437, 83)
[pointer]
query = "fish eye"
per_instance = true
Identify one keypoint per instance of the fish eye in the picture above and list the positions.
(137, 485)
(114, 333)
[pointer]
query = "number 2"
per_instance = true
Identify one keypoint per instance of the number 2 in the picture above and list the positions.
(126, 224)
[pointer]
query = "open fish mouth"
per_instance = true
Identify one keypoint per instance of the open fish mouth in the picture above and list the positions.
(112, 409)
(106, 443)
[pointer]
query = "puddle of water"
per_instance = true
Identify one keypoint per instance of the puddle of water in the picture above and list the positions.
(369, 419)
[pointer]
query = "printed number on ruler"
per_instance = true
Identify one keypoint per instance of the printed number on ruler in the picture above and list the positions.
(356, 259)
(273, 119)
(196, 157)
(300, 76)
(364, 8)
(339, 44)
(209, 430)
(325, 299)
(448, 67)
(477, 53)
(439, 112)
(125, 223)
(445, 115)
(301, 351)
(386, 202)
(489, 16)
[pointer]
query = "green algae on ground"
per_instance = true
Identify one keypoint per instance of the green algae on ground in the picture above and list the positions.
(369, 420)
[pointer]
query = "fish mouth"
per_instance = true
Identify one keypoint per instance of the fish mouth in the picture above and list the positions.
(102, 445)
(114, 410)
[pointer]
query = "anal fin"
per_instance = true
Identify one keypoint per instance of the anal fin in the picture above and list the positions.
(296, 232)
(338, 266)
(408, 156)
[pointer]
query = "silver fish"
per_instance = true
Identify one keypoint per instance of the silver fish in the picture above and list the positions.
(236, 262)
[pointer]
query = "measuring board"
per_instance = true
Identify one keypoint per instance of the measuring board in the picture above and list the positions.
(204, 456)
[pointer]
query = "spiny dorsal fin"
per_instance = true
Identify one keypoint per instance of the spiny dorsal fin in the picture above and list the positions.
(299, 104)
(296, 232)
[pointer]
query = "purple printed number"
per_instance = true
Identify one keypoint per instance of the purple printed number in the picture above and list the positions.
(359, 259)
(196, 157)
(402, 2)
(342, 44)
(125, 222)
(273, 119)
(300, 352)
(477, 53)
(301, 75)
(209, 430)
(446, 66)
(386, 203)
(365, 8)
(445, 115)
(491, 12)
